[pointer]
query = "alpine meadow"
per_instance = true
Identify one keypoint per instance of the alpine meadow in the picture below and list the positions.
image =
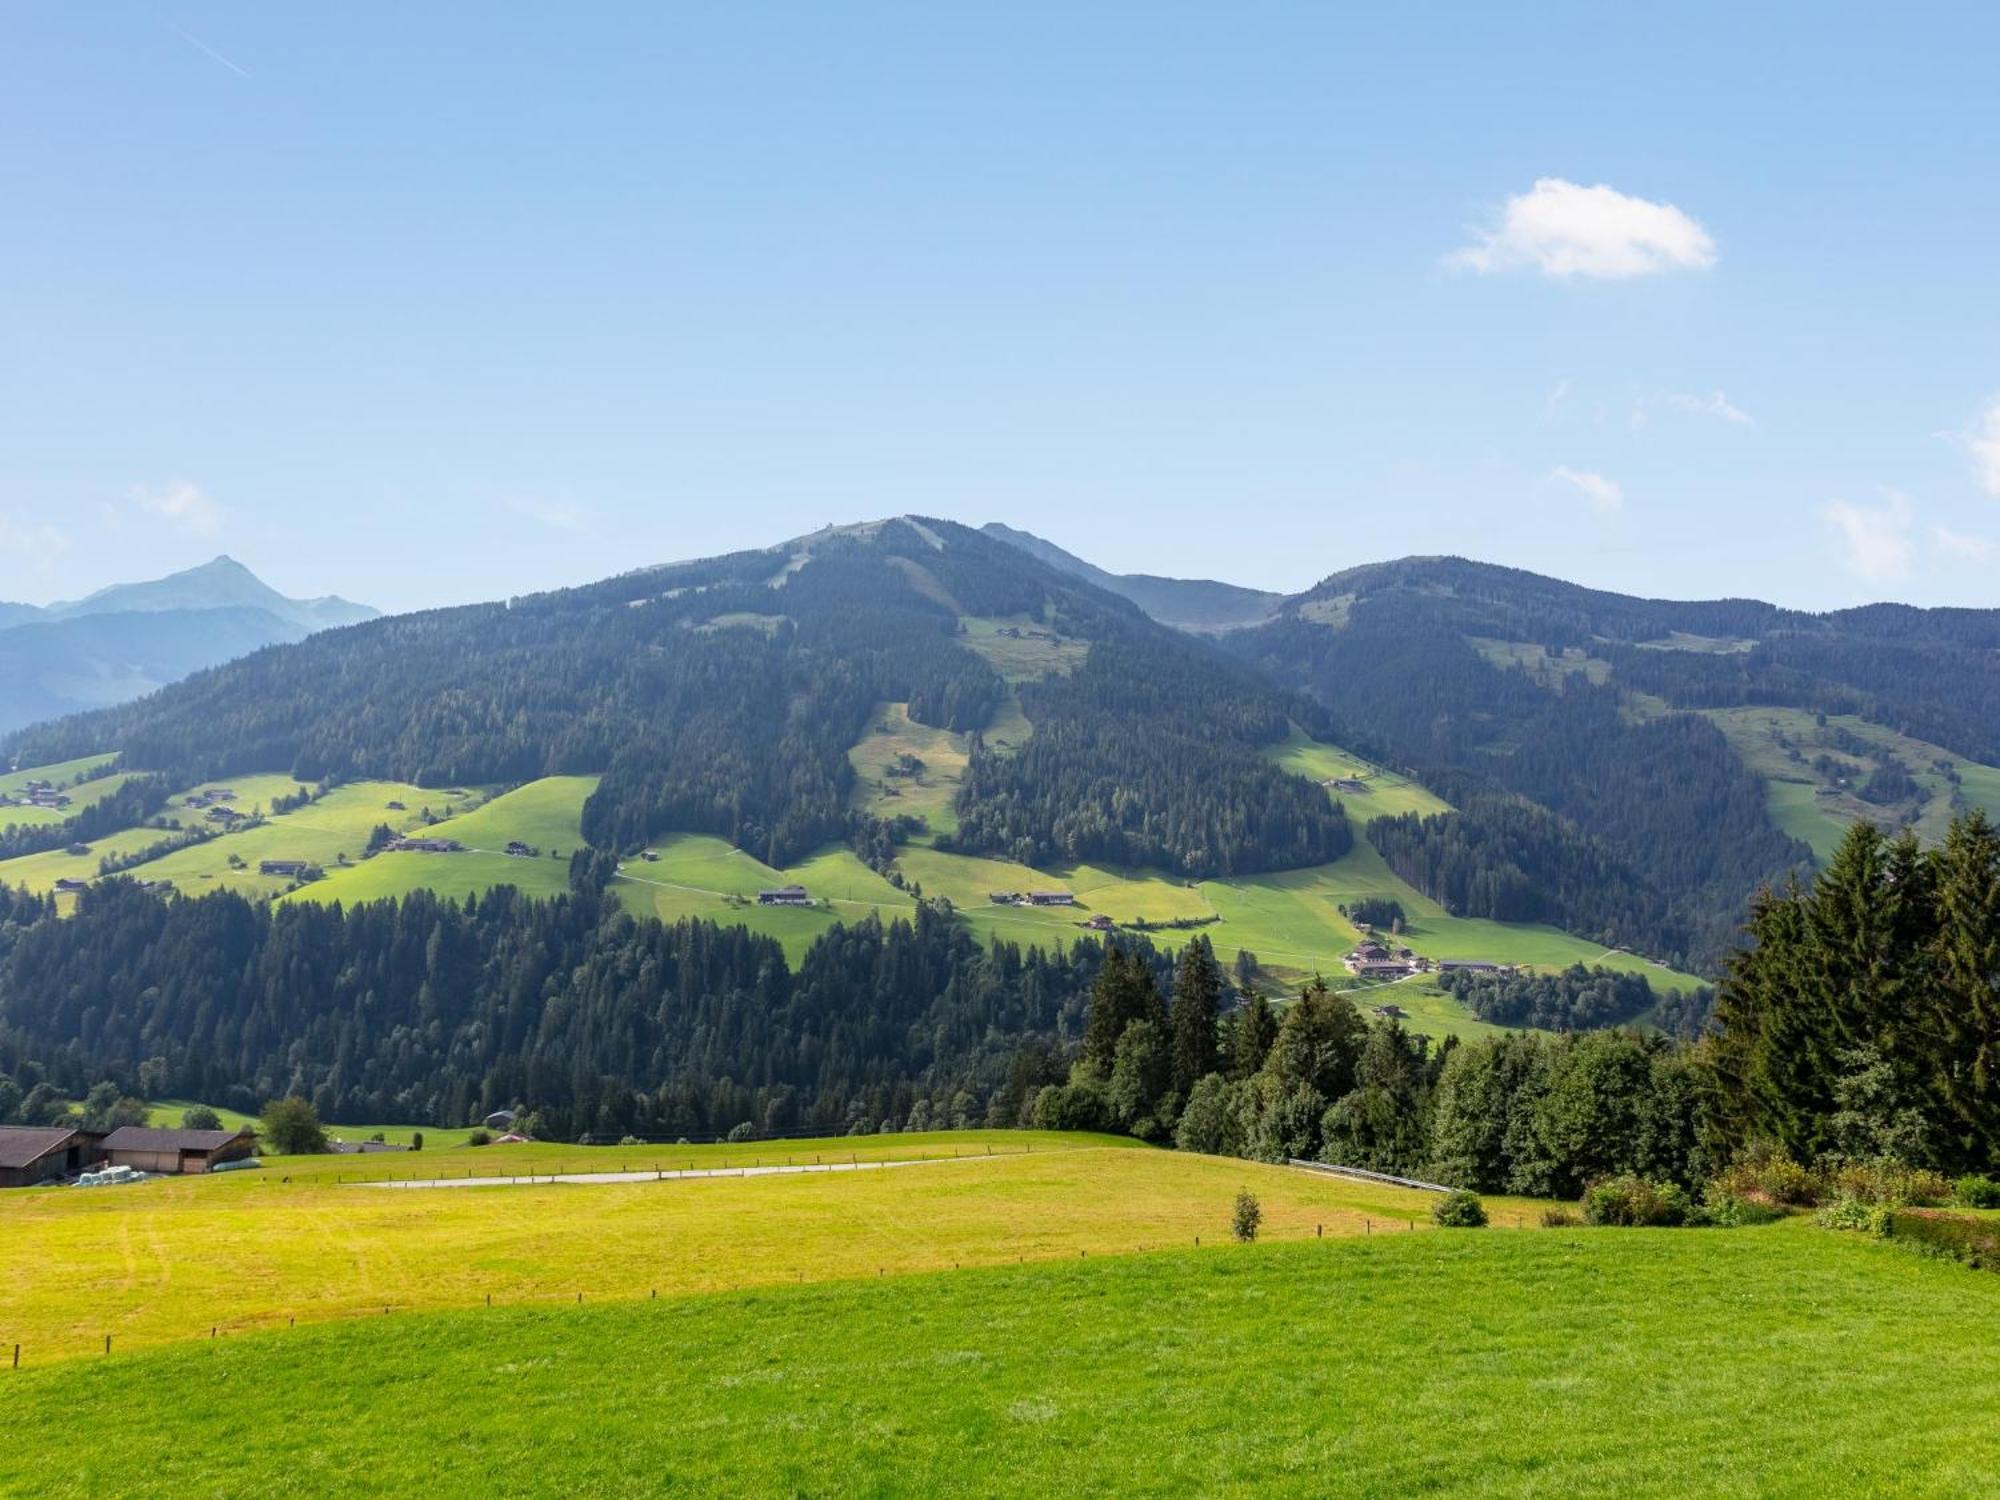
(1066, 772)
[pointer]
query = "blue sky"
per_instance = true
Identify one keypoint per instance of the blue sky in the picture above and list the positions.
(436, 303)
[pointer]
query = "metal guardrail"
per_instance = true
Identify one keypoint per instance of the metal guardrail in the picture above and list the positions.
(1362, 1174)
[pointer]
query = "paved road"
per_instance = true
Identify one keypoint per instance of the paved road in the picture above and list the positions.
(663, 1176)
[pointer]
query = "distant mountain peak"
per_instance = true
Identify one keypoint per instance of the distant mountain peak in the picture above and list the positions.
(1199, 604)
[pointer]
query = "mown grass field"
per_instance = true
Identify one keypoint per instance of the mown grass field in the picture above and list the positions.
(1781, 1361)
(546, 815)
(57, 773)
(171, 1259)
(1388, 794)
(1023, 649)
(322, 831)
(171, 1113)
(881, 790)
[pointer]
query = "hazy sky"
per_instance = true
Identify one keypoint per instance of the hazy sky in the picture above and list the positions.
(433, 303)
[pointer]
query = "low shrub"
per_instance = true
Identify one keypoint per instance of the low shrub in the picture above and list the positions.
(479, 1138)
(1727, 1212)
(1976, 1242)
(1767, 1176)
(1630, 1201)
(1856, 1215)
(1560, 1218)
(1976, 1192)
(1886, 1180)
(1459, 1209)
(1248, 1215)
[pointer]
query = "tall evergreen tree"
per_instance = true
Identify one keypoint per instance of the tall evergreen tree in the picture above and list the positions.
(1197, 1008)
(1123, 992)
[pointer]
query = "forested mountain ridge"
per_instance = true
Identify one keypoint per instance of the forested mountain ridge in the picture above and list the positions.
(722, 696)
(1670, 749)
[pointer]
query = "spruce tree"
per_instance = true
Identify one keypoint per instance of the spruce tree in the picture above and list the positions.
(1251, 1035)
(1197, 1005)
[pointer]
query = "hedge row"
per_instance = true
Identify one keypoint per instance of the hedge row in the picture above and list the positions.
(1974, 1241)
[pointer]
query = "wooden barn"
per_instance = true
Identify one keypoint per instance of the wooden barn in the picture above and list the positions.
(145, 1149)
(32, 1154)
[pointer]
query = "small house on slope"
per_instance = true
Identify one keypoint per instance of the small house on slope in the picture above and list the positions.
(785, 895)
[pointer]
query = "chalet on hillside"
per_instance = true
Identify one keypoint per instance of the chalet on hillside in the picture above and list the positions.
(1051, 898)
(288, 868)
(1391, 1012)
(69, 883)
(1348, 784)
(500, 1119)
(175, 1152)
(424, 846)
(1100, 923)
(520, 850)
(36, 1154)
(785, 895)
(1469, 966)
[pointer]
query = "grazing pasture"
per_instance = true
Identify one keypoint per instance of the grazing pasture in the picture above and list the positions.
(546, 814)
(887, 786)
(320, 832)
(1780, 1361)
(171, 1258)
(1388, 794)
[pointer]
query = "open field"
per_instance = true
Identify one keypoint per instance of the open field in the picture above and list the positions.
(321, 831)
(883, 790)
(59, 773)
(1780, 744)
(171, 1112)
(1774, 1361)
(696, 875)
(1388, 794)
(171, 1258)
(1023, 649)
(546, 814)
(86, 795)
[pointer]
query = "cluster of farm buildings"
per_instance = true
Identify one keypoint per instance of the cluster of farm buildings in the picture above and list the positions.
(31, 1155)
(36, 793)
(1373, 960)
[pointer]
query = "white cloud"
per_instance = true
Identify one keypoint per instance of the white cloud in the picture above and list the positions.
(1958, 544)
(36, 543)
(1557, 399)
(1985, 441)
(1877, 539)
(1716, 405)
(1605, 495)
(1563, 229)
(180, 504)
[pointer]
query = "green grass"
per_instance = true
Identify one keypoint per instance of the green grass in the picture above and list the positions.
(1035, 650)
(703, 877)
(928, 794)
(171, 1113)
(59, 773)
(305, 1237)
(1770, 1362)
(1817, 811)
(1388, 795)
(546, 815)
(81, 796)
(338, 823)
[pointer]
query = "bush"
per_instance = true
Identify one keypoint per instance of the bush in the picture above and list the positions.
(1886, 1180)
(416, 1140)
(1459, 1209)
(201, 1117)
(1632, 1202)
(1976, 1192)
(1727, 1212)
(1560, 1218)
(1249, 1214)
(1974, 1241)
(479, 1138)
(1770, 1177)
(740, 1133)
(1855, 1214)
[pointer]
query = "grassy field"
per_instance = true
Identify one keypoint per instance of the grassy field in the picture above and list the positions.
(1780, 744)
(171, 1113)
(1780, 1361)
(546, 815)
(171, 1258)
(883, 791)
(336, 824)
(1388, 795)
(696, 875)
(1023, 649)
(60, 773)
